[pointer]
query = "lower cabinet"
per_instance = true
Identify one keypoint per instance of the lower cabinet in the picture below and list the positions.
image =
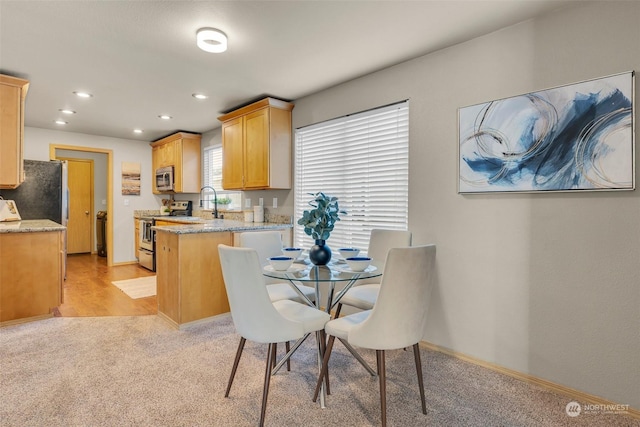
(160, 222)
(189, 276)
(136, 237)
(31, 275)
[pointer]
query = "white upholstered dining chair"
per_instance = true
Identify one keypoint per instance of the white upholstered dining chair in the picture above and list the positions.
(380, 241)
(397, 320)
(256, 317)
(269, 244)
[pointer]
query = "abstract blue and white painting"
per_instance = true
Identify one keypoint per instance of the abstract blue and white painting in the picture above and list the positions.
(569, 138)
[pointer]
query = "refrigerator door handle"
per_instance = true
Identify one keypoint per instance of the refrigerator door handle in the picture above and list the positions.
(68, 204)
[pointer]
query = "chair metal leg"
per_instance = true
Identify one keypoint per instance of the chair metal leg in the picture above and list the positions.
(325, 365)
(322, 348)
(338, 311)
(267, 380)
(383, 386)
(235, 365)
(275, 352)
(416, 352)
(287, 349)
(323, 336)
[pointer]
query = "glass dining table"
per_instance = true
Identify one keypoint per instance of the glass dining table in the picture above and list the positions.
(303, 273)
(325, 279)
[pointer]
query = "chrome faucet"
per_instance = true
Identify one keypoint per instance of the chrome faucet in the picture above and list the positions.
(215, 199)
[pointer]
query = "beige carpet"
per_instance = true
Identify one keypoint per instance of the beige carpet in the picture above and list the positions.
(140, 287)
(138, 371)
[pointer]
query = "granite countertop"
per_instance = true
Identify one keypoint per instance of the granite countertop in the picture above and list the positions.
(179, 219)
(220, 225)
(234, 215)
(30, 226)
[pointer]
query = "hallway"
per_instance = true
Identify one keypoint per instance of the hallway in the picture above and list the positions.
(88, 291)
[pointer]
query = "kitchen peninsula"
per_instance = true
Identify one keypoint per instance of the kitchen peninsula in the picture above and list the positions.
(32, 261)
(189, 277)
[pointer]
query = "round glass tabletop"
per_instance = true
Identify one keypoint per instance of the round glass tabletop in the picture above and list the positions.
(333, 272)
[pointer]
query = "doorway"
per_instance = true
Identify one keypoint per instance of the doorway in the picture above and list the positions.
(80, 230)
(104, 178)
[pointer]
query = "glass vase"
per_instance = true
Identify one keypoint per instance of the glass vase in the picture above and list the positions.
(320, 253)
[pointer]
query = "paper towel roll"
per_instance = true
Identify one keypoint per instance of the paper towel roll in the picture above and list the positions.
(258, 214)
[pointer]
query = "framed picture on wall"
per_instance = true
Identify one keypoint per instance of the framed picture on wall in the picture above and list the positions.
(570, 138)
(130, 179)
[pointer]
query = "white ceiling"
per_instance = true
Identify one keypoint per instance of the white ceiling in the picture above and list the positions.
(139, 58)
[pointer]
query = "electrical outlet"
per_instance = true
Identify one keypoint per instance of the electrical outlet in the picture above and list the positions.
(247, 203)
(261, 202)
(126, 202)
(275, 202)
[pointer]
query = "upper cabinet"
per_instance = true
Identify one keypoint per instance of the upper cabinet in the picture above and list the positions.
(256, 146)
(12, 94)
(182, 151)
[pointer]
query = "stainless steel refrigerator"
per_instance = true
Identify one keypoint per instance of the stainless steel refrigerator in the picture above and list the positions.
(44, 194)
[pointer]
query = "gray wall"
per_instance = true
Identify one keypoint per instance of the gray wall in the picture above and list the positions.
(545, 284)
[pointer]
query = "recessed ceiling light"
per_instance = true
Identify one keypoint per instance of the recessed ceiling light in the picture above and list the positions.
(67, 111)
(61, 122)
(83, 94)
(164, 117)
(211, 40)
(199, 96)
(137, 131)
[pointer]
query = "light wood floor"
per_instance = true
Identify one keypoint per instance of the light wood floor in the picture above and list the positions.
(88, 291)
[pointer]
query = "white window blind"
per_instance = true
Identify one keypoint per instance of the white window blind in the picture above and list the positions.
(212, 177)
(363, 159)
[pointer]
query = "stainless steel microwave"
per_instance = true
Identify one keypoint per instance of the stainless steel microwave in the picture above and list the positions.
(164, 179)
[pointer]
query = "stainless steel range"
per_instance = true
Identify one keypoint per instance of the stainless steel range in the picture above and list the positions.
(147, 249)
(181, 208)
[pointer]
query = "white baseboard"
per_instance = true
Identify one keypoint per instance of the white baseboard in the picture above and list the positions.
(556, 388)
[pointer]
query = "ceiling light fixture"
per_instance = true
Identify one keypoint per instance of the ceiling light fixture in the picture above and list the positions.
(211, 40)
(199, 96)
(83, 94)
(137, 131)
(63, 111)
(164, 117)
(61, 122)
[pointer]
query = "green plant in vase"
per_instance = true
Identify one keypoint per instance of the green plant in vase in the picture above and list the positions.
(224, 202)
(318, 223)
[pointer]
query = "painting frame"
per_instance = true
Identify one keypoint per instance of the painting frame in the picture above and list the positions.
(570, 138)
(131, 178)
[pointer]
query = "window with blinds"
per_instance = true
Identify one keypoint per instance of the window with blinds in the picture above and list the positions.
(363, 159)
(212, 177)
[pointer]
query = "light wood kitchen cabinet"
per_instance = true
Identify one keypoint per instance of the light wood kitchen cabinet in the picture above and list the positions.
(256, 146)
(12, 96)
(136, 237)
(160, 222)
(166, 154)
(182, 151)
(189, 276)
(31, 275)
